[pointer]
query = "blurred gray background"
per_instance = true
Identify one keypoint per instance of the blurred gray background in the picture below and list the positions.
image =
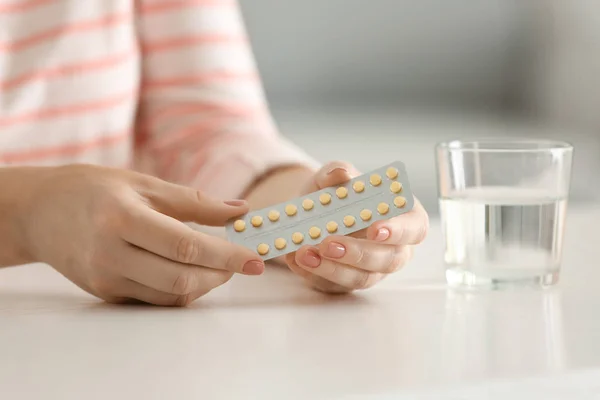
(375, 81)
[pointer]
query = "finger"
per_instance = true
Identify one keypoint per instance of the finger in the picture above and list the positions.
(312, 280)
(171, 239)
(190, 205)
(408, 229)
(344, 275)
(365, 254)
(334, 173)
(164, 275)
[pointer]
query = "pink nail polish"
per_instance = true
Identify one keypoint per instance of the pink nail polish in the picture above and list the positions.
(382, 234)
(253, 267)
(311, 259)
(235, 203)
(332, 170)
(335, 250)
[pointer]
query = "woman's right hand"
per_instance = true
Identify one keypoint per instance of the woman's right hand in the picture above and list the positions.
(120, 235)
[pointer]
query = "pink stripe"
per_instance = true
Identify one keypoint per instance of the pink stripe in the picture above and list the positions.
(69, 110)
(22, 5)
(201, 78)
(69, 69)
(64, 150)
(186, 41)
(66, 29)
(165, 5)
(178, 110)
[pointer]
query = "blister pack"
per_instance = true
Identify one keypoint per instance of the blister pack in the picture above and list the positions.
(338, 210)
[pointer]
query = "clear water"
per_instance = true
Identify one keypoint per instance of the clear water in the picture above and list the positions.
(496, 236)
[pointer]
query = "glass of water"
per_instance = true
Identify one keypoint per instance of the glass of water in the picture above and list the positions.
(503, 206)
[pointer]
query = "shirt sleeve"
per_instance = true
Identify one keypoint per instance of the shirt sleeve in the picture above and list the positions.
(203, 119)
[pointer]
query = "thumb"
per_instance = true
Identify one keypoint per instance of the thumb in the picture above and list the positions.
(334, 173)
(190, 205)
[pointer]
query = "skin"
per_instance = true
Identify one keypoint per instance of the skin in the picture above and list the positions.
(120, 235)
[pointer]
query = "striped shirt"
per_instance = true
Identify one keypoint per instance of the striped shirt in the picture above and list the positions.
(167, 87)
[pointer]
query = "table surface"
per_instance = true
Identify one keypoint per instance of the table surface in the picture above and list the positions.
(271, 337)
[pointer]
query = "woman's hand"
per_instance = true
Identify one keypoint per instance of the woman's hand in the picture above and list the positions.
(119, 235)
(342, 264)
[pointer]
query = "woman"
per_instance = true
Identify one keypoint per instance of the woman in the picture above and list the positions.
(122, 119)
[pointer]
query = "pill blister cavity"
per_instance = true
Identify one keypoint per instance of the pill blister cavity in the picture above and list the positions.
(308, 204)
(349, 220)
(297, 238)
(280, 243)
(291, 210)
(239, 225)
(332, 227)
(383, 208)
(391, 173)
(396, 187)
(399, 201)
(365, 214)
(341, 192)
(375, 179)
(314, 232)
(256, 221)
(262, 249)
(325, 198)
(358, 186)
(273, 215)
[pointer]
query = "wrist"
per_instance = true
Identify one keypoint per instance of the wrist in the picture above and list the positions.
(16, 198)
(278, 185)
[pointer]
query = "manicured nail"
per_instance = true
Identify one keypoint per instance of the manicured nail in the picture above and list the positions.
(235, 203)
(335, 250)
(334, 169)
(254, 267)
(311, 259)
(382, 234)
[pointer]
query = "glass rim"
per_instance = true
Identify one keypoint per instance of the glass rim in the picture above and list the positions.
(504, 145)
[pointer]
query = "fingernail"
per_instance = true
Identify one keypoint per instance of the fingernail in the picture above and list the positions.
(235, 203)
(335, 250)
(311, 259)
(253, 267)
(382, 234)
(332, 170)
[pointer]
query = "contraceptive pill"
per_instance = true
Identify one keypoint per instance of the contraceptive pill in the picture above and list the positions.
(340, 210)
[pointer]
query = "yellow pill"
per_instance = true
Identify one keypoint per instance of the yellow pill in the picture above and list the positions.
(256, 221)
(291, 210)
(273, 215)
(308, 204)
(365, 215)
(314, 232)
(280, 243)
(399, 201)
(349, 220)
(375, 180)
(383, 208)
(262, 249)
(392, 173)
(297, 238)
(325, 198)
(358, 186)
(239, 225)
(332, 227)
(341, 192)
(396, 187)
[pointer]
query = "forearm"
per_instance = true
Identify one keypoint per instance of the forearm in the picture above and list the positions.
(15, 192)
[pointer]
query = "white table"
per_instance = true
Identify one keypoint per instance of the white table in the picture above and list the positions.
(272, 338)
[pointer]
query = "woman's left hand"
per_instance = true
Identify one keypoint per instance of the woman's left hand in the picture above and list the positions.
(341, 264)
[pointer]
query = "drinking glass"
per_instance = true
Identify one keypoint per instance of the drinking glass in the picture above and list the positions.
(503, 205)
